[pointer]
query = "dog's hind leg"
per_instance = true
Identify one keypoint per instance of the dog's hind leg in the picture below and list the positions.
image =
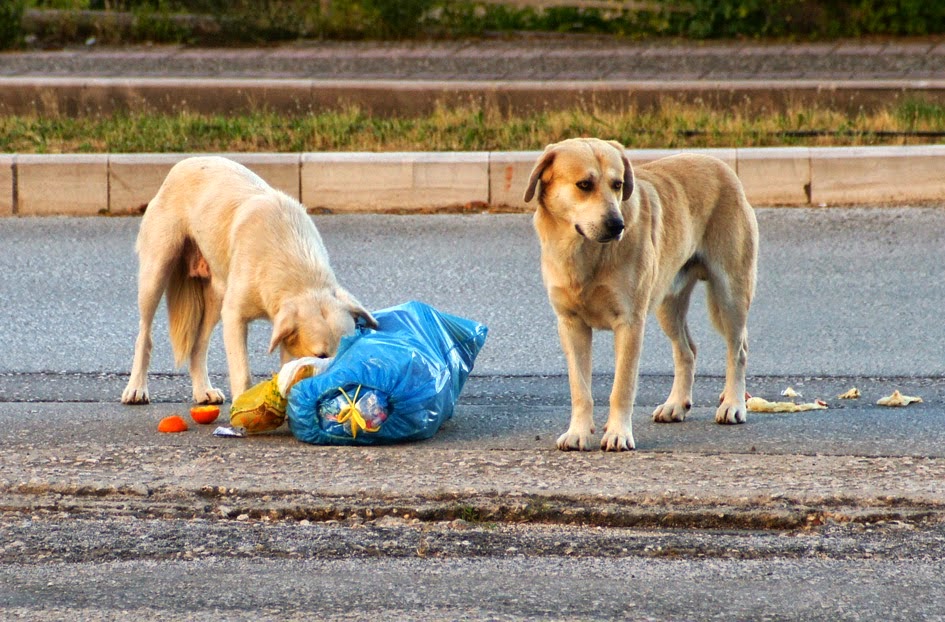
(153, 274)
(728, 302)
(672, 317)
(204, 392)
(730, 257)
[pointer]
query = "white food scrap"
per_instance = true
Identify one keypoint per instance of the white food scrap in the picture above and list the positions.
(790, 392)
(761, 405)
(898, 399)
(852, 394)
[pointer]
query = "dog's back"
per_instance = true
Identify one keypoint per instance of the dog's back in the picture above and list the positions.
(707, 185)
(198, 199)
(719, 223)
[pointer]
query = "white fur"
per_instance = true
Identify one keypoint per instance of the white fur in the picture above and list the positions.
(265, 259)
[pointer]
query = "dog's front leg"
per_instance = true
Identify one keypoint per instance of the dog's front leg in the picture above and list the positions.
(237, 357)
(628, 343)
(576, 342)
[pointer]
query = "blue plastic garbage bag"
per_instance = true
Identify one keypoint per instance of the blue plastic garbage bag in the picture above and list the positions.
(394, 384)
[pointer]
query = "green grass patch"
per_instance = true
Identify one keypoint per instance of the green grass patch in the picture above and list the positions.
(469, 514)
(672, 125)
(228, 22)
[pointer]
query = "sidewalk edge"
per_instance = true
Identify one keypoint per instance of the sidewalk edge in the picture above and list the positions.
(426, 182)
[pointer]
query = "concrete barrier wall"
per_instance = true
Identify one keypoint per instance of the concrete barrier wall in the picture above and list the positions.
(60, 184)
(359, 182)
(885, 174)
(775, 175)
(117, 184)
(7, 184)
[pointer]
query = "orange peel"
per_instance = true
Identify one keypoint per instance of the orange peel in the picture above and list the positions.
(205, 414)
(171, 424)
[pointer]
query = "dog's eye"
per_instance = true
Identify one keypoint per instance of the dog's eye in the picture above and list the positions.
(585, 185)
(617, 185)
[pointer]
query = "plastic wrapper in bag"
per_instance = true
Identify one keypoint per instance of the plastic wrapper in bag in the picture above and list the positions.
(364, 411)
(395, 384)
(262, 408)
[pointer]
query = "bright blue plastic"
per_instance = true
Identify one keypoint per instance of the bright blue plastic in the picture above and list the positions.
(418, 358)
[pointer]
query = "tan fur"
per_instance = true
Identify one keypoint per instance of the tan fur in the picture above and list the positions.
(224, 245)
(634, 241)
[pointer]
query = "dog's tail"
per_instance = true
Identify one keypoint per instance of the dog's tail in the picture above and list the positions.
(185, 309)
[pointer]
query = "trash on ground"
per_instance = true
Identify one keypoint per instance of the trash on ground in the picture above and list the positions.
(790, 392)
(355, 414)
(228, 431)
(898, 399)
(300, 369)
(761, 405)
(262, 407)
(205, 414)
(171, 424)
(395, 384)
(852, 394)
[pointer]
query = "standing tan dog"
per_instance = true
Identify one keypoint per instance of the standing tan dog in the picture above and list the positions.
(223, 243)
(615, 246)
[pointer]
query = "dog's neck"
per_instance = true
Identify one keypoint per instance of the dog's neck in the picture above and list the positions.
(567, 252)
(573, 256)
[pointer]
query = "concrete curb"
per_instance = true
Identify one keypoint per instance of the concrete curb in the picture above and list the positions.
(422, 182)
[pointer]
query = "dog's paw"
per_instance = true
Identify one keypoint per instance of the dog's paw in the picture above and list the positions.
(135, 395)
(209, 396)
(672, 411)
(617, 440)
(572, 441)
(730, 412)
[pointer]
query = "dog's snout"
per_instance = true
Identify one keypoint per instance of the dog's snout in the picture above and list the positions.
(614, 226)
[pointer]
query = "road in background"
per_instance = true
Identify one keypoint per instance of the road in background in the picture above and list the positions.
(514, 58)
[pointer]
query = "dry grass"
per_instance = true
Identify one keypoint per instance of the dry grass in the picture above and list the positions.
(674, 125)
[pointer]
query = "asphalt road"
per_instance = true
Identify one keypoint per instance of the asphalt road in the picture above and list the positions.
(841, 292)
(823, 515)
(517, 57)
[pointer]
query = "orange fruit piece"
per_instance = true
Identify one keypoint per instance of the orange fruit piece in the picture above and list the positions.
(205, 414)
(174, 423)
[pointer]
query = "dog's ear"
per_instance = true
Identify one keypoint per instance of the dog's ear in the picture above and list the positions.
(543, 162)
(359, 312)
(356, 309)
(283, 325)
(627, 169)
